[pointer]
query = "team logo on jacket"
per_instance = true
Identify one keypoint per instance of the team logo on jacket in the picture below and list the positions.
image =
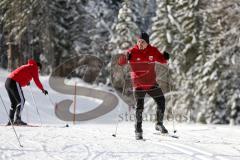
(150, 58)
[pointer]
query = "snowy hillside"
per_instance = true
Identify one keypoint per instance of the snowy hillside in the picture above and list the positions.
(93, 139)
(46, 107)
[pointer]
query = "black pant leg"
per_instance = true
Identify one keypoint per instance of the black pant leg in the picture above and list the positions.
(21, 97)
(158, 96)
(9, 87)
(16, 97)
(139, 98)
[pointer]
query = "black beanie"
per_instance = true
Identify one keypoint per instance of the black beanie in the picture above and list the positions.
(144, 36)
(39, 65)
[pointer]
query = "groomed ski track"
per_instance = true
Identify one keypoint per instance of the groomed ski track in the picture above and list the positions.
(95, 142)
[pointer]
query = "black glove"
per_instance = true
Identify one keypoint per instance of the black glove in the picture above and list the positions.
(45, 91)
(129, 56)
(166, 55)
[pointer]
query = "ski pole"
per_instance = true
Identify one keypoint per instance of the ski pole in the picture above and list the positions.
(50, 99)
(118, 111)
(35, 105)
(173, 113)
(55, 104)
(116, 129)
(11, 123)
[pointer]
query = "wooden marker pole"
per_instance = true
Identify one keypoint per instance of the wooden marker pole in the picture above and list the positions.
(74, 103)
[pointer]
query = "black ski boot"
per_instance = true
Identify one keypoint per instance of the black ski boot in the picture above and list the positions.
(138, 131)
(161, 128)
(138, 135)
(159, 125)
(18, 120)
(138, 125)
(9, 123)
(11, 117)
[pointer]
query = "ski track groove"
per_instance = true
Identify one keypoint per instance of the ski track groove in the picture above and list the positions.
(211, 155)
(42, 146)
(59, 151)
(98, 155)
(185, 151)
(88, 152)
(200, 154)
(175, 148)
(144, 155)
(190, 150)
(214, 137)
(54, 157)
(183, 148)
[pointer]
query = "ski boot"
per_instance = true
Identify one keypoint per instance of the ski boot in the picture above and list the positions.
(159, 125)
(11, 117)
(19, 122)
(138, 125)
(9, 123)
(138, 135)
(138, 131)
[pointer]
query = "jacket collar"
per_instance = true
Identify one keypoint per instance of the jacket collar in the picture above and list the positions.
(148, 46)
(32, 62)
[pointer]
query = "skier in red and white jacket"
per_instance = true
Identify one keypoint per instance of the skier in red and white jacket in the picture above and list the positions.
(19, 78)
(142, 58)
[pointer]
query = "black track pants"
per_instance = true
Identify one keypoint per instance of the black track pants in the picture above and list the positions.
(158, 96)
(16, 97)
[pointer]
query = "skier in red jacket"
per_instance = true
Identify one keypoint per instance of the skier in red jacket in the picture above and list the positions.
(19, 78)
(142, 58)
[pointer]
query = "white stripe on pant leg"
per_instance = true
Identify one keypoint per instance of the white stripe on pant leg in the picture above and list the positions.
(21, 96)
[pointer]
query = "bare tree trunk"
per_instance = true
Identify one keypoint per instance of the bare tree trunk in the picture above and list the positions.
(10, 56)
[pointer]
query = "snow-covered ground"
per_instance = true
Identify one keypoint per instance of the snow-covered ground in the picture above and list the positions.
(93, 140)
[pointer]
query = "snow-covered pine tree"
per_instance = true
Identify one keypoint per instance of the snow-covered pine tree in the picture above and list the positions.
(175, 29)
(19, 24)
(205, 98)
(185, 50)
(125, 36)
(135, 14)
(144, 10)
(59, 27)
(15, 17)
(160, 37)
(160, 30)
(231, 43)
(103, 14)
(125, 28)
(3, 54)
(103, 17)
(82, 27)
(216, 83)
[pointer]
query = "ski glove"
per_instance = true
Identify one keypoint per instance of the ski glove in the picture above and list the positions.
(166, 55)
(45, 91)
(129, 56)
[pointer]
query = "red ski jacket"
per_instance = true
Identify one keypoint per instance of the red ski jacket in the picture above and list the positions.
(24, 74)
(142, 64)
